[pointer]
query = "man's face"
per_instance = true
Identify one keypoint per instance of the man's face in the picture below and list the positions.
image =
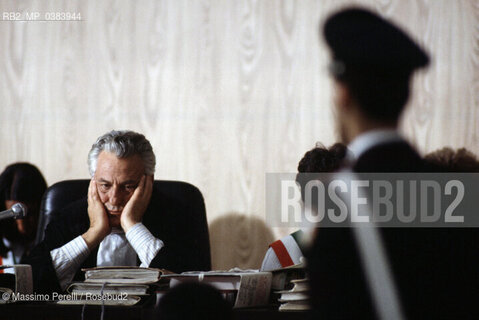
(341, 100)
(116, 180)
(338, 100)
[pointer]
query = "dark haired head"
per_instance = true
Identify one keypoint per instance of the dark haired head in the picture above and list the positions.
(320, 159)
(21, 182)
(449, 160)
(194, 301)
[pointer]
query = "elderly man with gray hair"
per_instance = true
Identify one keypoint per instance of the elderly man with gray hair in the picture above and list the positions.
(117, 224)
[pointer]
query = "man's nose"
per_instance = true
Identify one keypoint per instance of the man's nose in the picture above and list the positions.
(115, 196)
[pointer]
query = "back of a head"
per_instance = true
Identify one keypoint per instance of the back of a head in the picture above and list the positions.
(449, 160)
(194, 301)
(320, 159)
(375, 59)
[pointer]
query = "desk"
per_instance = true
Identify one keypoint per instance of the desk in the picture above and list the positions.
(51, 311)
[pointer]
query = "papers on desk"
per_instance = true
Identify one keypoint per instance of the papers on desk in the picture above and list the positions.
(294, 306)
(82, 293)
(297, 298)
(120, 286)
(282, 277)
(294, 288)
(123, 275)
(242, 288)
(82, 288)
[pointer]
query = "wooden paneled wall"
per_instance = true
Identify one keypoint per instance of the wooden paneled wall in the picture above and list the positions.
(224, 90)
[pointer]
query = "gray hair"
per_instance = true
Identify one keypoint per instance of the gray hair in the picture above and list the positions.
(123, 144)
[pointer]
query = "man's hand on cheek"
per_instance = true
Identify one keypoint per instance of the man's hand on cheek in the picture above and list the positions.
(99, 223)
(136, 206)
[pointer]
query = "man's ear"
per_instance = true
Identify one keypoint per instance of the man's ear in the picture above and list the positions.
(152, 177)
(342, 96)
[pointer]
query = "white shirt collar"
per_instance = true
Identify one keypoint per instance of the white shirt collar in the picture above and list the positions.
(370, 139)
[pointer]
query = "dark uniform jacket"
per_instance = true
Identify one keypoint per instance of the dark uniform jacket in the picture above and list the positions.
(435, 269)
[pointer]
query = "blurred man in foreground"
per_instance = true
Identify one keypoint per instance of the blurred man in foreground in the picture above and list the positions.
(432, 273)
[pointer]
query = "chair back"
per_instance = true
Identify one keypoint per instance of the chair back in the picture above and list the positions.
(57, 197)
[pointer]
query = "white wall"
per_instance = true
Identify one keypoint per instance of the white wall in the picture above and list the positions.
(224, 90)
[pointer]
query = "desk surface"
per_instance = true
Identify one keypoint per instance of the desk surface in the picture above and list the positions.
(48, 311)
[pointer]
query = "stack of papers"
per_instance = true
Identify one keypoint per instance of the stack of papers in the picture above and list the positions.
(123, 286)
(122, 275)
(297, 298)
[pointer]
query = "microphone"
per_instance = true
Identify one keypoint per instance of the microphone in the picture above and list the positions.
(17, 211)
